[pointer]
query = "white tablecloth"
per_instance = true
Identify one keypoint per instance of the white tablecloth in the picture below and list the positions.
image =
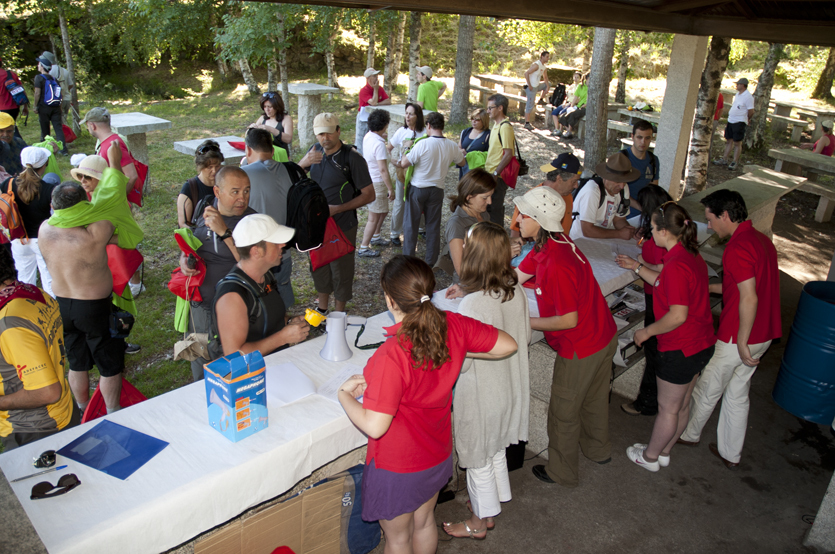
(200, 479)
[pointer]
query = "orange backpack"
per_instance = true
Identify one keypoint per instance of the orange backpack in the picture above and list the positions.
(10, 215)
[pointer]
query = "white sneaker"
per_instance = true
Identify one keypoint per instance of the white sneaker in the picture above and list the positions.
(636, 456)
(663, 461)
(137, 289)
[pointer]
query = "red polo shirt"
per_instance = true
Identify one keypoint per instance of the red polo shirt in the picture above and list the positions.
(683, 282)
(653, 254)
(420, 436)
(750, 254)
(367, 92)
(565, 284)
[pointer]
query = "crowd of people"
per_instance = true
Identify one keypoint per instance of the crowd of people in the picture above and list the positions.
(237, 269)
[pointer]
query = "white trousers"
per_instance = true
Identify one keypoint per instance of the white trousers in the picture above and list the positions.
(27, 261)
(488, 486)
(725, 377)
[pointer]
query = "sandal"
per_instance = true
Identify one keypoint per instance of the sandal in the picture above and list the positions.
(490, 523)
(473, 533)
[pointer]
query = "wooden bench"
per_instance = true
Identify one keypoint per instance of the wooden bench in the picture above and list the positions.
(798, 125)
(514, 101)
(628, 142)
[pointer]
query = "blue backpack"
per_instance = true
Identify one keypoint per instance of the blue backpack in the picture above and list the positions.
(52, 91)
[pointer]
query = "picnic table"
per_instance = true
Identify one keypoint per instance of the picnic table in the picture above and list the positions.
(134, 126)
(511, 87)
(230, 153)
(310, 105)
(652, 117)
(397, 112)
(794, 160)
(785, 109)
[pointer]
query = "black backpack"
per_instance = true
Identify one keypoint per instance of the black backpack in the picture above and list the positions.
(558, 96)
(307, 212)
(599, 181)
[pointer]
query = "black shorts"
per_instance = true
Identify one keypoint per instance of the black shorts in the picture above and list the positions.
(735, 131)
(678, 369)
(87, 336)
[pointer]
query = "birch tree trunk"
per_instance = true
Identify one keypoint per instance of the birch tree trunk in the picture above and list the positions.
(598, 97)
(623, 66)
(755, 133)
(369, 60)
(272, 75)
(249, 78)
(587, 49)
(414, 54)
(65, 38)
(333, 80)
(698, 156)
(388, 68)
(823, 89)
(398, 51)
(53, 45)
(463, 69)
(282, 61)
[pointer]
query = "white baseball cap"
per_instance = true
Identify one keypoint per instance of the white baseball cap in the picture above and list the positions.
(426, 70)
(369, 72)
(34, 156)
(325, 123)
(260, 227)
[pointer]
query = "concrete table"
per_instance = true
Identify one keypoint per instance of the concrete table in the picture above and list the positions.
(134, 126)
(785, 109)
(652, 117)
(794, 160)
(398, 115)
(310, 105)
(230, 154)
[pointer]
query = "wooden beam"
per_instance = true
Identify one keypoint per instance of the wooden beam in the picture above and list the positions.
(684, 5)
(745, 9)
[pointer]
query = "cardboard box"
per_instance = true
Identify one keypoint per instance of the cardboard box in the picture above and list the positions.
(236, 395)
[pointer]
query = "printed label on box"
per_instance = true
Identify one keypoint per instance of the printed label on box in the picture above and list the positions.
(237, 383)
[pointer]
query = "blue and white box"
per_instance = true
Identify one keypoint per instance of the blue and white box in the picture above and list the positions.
(236, 394)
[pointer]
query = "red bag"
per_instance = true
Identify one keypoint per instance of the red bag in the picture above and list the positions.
(135, 196)
(510, 173)
(130, 395)
(69, 135)
(334, 246)
(10, 215)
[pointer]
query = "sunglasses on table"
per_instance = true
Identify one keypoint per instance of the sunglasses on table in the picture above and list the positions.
(45, 489)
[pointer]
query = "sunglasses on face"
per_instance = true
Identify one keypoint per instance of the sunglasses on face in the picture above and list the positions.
(46, 459)
(45, 489)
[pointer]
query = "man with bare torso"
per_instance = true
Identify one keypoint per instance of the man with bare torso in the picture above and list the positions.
(82, 282)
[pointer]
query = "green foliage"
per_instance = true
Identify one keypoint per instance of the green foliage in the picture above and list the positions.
(738, 50)
(252, 31)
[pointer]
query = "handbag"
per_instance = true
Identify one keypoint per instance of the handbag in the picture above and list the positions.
(334, 246)
(517, 166)
(69, 134)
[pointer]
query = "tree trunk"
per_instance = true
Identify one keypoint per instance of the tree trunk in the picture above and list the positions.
(388, 68)
(414, 54)
(698, 156)
(53, 45)
(249, 78)
(333, 80)
(623, 66)
(272, 75)
(282, 62)
(222, 68)
(398, 51)
(587, 49)
(823, 90)
(463, 69)
(369, 60)
(597, 113)
(65, 38)
(755, 133)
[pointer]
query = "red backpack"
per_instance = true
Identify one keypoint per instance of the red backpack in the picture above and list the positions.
(10, 215)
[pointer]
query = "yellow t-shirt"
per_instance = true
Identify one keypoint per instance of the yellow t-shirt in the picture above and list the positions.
(32, 357)
(495, 147)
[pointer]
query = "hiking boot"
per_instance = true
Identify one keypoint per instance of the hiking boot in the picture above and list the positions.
(395, 241)
(368, 253)
(529, 127)
(132, 348)
(732, 166)
(720, 161)
(380, 241)
(567, 135)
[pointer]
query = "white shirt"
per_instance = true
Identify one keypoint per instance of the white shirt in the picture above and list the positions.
(536, 75)
(586, 204)
(373, 149)
(404, 133)
(743, 101)
(432, 157)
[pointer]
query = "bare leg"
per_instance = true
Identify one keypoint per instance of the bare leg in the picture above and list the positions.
(477, 525)
(670, 399)
(380, 221)
(414, 532)
(369, 228)
(324, 299)
(728, 147)
(737, 151)
(80, 387)
(683, 417)
(338, 306)
(111, 391)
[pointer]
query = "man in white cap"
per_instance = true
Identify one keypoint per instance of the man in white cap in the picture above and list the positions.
(10, 145)
(742, 110)
(372, 94)
(254, 316)
(429, 91)
(343, 175)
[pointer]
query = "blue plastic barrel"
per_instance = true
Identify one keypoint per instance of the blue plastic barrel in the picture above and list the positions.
(805, 385)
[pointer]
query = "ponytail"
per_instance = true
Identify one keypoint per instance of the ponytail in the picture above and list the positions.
(675, 219)
(409, 284)
(28, 185)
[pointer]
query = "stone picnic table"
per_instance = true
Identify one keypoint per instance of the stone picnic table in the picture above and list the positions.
(652, 117)
(230, 153)
(785, 109)
(795, 160)
(397, 112)
(134, 126)
(310, 105)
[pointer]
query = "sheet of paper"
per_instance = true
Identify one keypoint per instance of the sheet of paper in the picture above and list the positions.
(286, 383)
(330, 388)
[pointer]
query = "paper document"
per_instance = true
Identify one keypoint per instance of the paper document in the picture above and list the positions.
(286, 383)
(330, 389)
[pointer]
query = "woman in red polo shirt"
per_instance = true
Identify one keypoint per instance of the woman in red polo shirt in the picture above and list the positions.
(407, 394)
(684, 327)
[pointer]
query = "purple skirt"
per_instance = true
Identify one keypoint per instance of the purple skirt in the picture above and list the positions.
(388, 494)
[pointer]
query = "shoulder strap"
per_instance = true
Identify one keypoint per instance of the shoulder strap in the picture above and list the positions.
(255, 295)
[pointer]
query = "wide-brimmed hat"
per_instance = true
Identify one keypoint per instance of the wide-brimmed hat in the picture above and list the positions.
(260, 227)
(44, 62)
(91, 166)
(617, 168)
(545, 205)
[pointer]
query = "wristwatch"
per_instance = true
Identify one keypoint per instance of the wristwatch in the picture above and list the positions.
(495, 174)
(226, 235)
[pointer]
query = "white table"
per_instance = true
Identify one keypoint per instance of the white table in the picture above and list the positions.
(652, 117)
(135, 126)
(230, 154)
(785, 109)
(201, 479)
(310, 105)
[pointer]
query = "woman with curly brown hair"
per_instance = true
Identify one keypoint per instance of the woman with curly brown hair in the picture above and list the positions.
(492, 397)
(407, 395)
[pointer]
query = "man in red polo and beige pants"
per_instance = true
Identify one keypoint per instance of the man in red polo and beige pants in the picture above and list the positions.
(750, 320)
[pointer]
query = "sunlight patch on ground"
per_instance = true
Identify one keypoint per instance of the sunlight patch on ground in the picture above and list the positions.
(801, 260)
